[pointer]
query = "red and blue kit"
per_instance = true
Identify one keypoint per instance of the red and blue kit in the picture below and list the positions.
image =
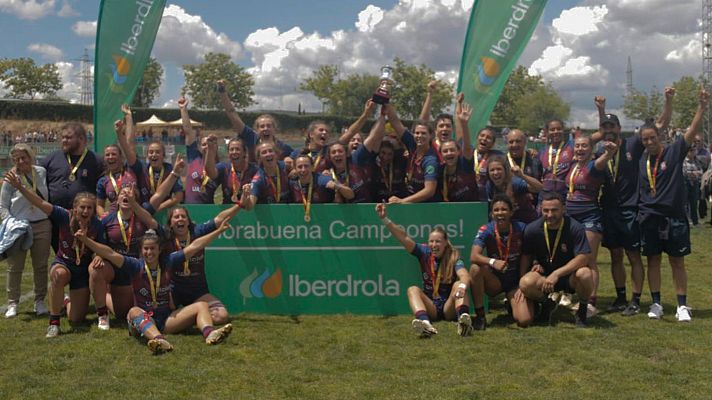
(232, 180)
(389, 179)
(271, 189)
(523, 208)
(461, 185)
(504, 246)
(584, 186)
(429, 266)
(109, 186)
(420, 168)
(319, 159)
(314, 192)
(556, 161)
(199, 188)
(149, 179)
(480, 168)
(359, 176)
(189, 281)
(251, 138)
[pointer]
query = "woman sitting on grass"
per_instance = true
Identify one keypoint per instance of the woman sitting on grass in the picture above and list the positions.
(153, 309)
(445, 280)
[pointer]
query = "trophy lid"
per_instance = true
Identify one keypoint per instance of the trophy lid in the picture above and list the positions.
(387, 73)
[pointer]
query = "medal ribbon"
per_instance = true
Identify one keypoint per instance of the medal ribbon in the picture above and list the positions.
(74, 168)
(503, 252)
(126, 235)
(614, 170)
(512, 163)
(445, 179)
(307, 201)
(478, 163)
(652, 177)
(336, 178)
(556, 241)
(435, 276)
(411, 166)
(276, 190)
(235, 179)
(117, 186)
(154, 184)
(572, 178)
(154, 288)
(186, 269)
(556, 159)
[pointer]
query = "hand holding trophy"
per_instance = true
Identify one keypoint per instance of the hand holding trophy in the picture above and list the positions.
(382, 95)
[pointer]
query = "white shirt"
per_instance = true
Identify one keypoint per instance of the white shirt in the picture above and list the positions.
(13, 203)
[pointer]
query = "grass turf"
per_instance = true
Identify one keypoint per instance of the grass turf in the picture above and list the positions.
(345, 356)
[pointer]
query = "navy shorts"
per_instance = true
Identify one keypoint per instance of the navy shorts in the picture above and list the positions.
(79, 273)
(665, 235)
(592, 221)
(564, 284)
(122, 277)
(621, 229)
(508, 280)
(184, 295)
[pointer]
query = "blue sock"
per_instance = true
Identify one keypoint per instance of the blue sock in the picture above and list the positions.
(636, 299)
(620, 293)
(422, 315)
(682, 299)
(463, 309)
(655, 296)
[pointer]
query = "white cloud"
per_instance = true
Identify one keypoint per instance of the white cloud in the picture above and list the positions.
(579, 20)
(28, 9)
(84, 28)
(47, 51)
(689, 53)
(184, 38)
(71, 83)
(66, 10)
(369, 18)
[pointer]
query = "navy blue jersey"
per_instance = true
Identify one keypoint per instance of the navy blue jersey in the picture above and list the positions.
(195, 279)
(232, 180)
(424, 255)
(148, 185)
(420, 168)
(559, 158)
(621, 186)
(109, 186)
(460, 186)
(587, 181)
(195, 191)
(480, 169)
(143, 296)
(319, 159)
(486, 239)
(532, 166)
(67, 251)
(250, 138)
(320, 193)
(357, 176)
(61, 189)
(571, 243)
(389, 179)
(523, 208)
(670, 191)
(269, 189)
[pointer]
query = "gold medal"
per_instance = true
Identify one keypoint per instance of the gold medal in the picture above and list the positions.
(72, 177)
(234, 198)
(202, 189)
(307, 218)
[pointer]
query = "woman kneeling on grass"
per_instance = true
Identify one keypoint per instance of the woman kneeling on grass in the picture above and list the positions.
(153, 309)
(445, 280)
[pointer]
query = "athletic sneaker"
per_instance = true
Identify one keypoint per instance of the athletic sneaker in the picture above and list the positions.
(423, 328)
(618, 305)
(547, 310)
(159, 346)
(591, 310)
(464, 325)
(656, 311)
(480, 323)
(631, 309)
(683, 314)
(580, 323)
(11, 311)
(218, 335)
(52, 331)
(41, 308)
(103, 324)
(565, 299)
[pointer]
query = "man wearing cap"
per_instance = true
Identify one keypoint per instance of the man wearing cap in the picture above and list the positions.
(621, 233)
(71, 170)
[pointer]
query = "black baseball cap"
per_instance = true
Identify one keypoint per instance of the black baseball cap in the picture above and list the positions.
(610, 118)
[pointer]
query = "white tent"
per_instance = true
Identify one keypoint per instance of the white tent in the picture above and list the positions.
(179, 122)
(153, 121)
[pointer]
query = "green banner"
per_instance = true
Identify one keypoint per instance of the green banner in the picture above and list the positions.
(343, 261)
(124, 39)
(496, 36)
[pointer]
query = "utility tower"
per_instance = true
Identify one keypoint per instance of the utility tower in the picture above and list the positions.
(629, 78)
(707, 60)
(87, 79)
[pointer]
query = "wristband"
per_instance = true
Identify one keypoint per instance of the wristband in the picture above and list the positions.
(491, 262)
(462, 286)
(174, 174)
(386, 220)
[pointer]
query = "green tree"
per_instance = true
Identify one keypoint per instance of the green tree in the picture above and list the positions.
(351, 93)
(148, 88)
(687, 94)
(321, 84)
(518, 85)
(410, 89)
(538, 105)
(641, 106)
(26, 79)
(200, 82)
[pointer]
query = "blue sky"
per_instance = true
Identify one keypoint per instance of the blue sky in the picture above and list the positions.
(581, 47)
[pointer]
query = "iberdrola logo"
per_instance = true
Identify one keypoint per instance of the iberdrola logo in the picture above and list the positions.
(261, 285)
(119, 73)
(487, 73)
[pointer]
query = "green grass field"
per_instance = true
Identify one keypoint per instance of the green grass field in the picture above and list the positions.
(356, 357)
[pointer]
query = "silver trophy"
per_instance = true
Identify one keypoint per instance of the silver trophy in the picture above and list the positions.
(382, 95)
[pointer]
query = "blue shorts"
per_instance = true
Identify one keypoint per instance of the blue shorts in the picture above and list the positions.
(122, 277)
(621, 228)
(79, 274)
(592, 221)
(564, 284)
(440, 306)
(508, 280)
(185, 295)
(665, 235)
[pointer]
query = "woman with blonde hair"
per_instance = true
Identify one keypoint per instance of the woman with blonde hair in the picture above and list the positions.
(13, 205)
(445, 280)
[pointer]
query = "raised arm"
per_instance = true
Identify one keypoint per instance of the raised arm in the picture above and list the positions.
(143, 215)
(99, 249)
(694, 128)
(185, 119)
(663, 120)
(164, 189)
(202, 242)
(378, 130)
(463, 112)
(600, 102)
(125, 137)
(356, 127)
(210, 156)
(602, 161)
(237, 124)
(13, 179)
(394, 120)
(227, 214)
(428, 103)
(395, 230)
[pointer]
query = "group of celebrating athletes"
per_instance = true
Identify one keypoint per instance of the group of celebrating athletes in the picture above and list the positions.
(108, 246)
